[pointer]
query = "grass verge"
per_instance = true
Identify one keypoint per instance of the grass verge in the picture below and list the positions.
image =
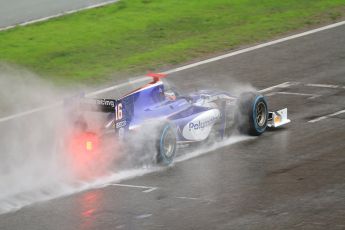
(133, 36)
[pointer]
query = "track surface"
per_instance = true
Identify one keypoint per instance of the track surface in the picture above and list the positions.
(291, 178)
(18, 11)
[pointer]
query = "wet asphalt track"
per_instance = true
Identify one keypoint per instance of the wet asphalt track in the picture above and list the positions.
(290, 178)
(19, 11)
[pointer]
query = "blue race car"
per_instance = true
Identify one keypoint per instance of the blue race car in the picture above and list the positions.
(167, 120)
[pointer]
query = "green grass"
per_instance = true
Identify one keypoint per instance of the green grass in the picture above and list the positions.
(134, 36)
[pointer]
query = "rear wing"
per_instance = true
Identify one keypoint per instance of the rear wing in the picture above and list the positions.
(95, 104)
(82, 103)
(125, 107)
(120, 110)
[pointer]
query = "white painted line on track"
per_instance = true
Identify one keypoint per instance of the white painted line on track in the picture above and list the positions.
(327, 116)
(150, 190)
(194, 198)
(208, 61)
(143, 216)
(310, 96)
(323, 86)
(249, 49)
(18, 115)
(59, 15)
(147, 188)
(187, 198)
(116, 87)
(282, 85)
(60, 103)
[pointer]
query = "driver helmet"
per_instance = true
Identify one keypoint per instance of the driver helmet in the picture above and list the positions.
(170, 95)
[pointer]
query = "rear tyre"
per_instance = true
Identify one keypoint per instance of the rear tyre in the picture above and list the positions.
(252, 114)
(166, 145)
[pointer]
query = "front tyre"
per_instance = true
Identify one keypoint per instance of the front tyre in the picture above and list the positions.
(166, 145)
(252, 114)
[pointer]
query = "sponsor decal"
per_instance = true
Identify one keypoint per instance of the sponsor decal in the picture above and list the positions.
(200, 127)
(121, 124)
(202, 124)
(105, 102)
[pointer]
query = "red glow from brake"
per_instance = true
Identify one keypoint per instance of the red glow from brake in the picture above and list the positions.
(91, 155)
(84, 152)
(84, 143)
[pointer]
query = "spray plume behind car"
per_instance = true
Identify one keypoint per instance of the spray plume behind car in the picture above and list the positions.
(35, 165)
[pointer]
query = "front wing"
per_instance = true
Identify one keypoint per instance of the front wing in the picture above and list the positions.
(277, 118)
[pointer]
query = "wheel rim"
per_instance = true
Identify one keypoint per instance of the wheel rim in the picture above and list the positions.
(261, 114)
(169, 144)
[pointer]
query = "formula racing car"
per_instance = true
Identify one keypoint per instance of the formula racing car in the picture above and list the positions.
(160, 117)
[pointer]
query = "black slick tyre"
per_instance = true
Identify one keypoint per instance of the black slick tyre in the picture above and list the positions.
(252, 113)
(166, 144)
